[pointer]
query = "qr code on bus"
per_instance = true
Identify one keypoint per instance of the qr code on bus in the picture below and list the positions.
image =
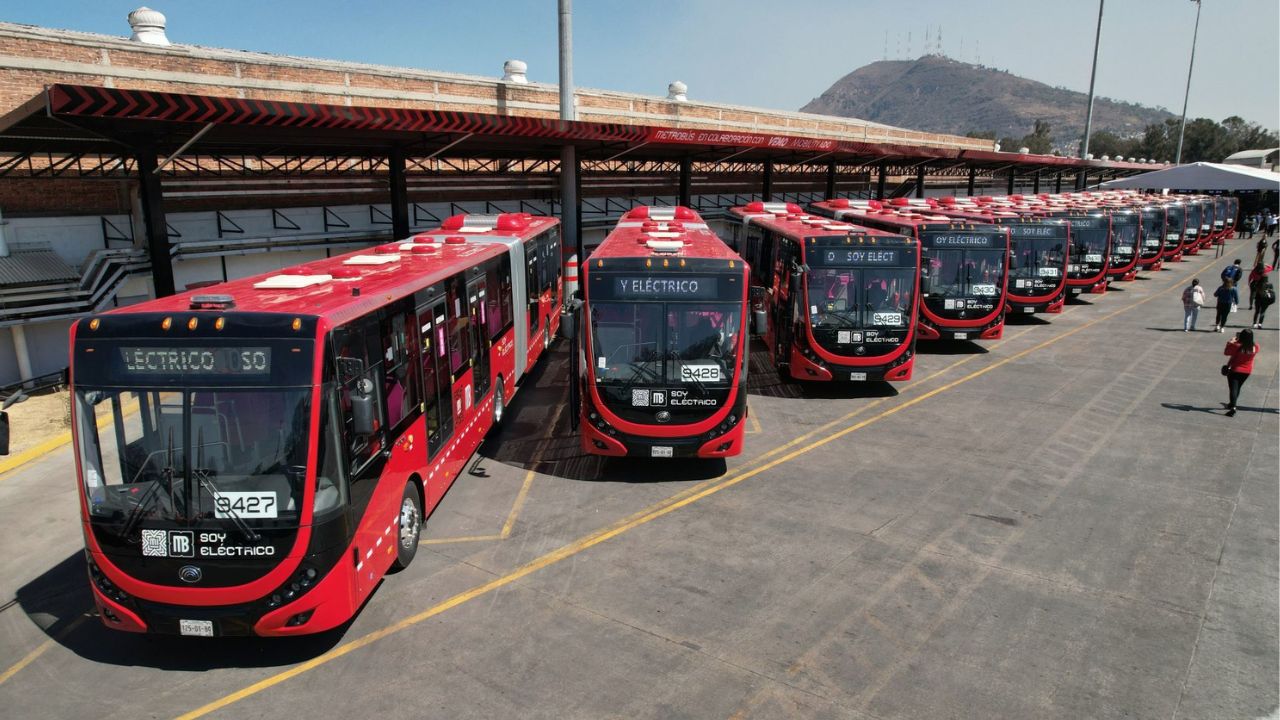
(640, 398)
(155, 543)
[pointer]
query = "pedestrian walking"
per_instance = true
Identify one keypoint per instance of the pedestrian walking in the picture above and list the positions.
(1260, 254)
(1232, 272)
(1226, 298)
(1271, 223)
(1240, 352)
(1249, 225)
(1264, 298)
(1256, 276)
(1192, 301)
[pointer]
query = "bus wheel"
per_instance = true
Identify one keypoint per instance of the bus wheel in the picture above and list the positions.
(409, 525)
(499, 404)
(546, 338)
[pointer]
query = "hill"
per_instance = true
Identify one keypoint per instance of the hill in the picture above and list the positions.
(938, 94)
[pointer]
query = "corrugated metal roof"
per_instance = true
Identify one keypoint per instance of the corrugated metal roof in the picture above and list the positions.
(35, 267)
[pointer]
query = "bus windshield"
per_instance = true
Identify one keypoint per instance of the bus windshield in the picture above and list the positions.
(1152, 232)
(663, 343)
(1036, 263)
(967, 273)
(194, 455)
(1124, 240)
(856, 298)
(1192, 222)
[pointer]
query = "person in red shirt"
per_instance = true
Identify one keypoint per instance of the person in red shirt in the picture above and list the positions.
(1240, 352)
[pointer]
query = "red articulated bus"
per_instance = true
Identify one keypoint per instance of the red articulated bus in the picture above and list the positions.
(964, 266)
(1037, 256)
(254, 456)
(664, 348)
(542, 284)
(832, 300)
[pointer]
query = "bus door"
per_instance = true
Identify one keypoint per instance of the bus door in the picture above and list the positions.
(480, 341)
(789, 297)
(533, 295)
(437, 390)
(458, 333)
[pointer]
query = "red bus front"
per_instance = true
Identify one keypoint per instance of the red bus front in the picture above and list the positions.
(1090, 254)
(1152, 226)
(1126, 249)
(665, 351)
(1037, 265)
(1175, 217)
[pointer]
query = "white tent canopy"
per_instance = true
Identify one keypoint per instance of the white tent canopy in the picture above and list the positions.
(1202, 176)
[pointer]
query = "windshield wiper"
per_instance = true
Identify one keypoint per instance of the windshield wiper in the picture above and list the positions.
(149, 494)
(202, 476)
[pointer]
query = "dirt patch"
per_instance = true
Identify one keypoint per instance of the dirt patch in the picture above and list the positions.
(37, 419)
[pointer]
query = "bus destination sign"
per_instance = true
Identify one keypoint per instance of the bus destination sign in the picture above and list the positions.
(962, 240)
(224, 361)
(665, 288)
(855, 257)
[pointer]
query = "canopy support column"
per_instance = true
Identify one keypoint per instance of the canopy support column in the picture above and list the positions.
(920, 181)
(973, 176)
(880, 183)
(831, 180)
(399, 195)
(766, 185)
(153, 222)
(686, 181)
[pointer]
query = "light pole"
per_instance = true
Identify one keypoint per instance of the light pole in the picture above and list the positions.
(1182, 128)
(1093, 75)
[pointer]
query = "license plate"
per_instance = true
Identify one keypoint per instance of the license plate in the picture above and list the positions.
(1028, 310)
(196, 628)
(1075, 291)
(857, 376)
(660, 451)
(962, 336)
(1093, 258)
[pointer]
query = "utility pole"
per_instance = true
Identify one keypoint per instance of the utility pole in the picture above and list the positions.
(1182, 128)
(1093, 75)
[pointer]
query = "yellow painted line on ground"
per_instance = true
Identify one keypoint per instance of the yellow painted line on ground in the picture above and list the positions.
(53, 443)
(659, 510)
(507, 526)
(40, 650)
(753, 424)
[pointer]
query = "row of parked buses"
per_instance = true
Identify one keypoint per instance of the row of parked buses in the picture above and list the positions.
(253, 457)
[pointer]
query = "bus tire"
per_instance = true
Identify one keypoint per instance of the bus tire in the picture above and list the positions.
(408, 526)
(546, 338)
(499, 403)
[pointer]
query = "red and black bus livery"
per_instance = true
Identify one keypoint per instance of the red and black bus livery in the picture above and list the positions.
(1090, 252)
(964, 267)
(254, 456)
(1152, 225)
(664, 347)
(832, 301)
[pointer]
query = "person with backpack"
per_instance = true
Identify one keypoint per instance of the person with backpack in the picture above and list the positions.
(1264, 297)
(1227, 299)
(1233, 272)
(1240, 352)
(1192, 301)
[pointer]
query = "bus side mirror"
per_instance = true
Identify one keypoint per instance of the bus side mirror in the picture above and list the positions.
(568, 328)
(4, 433)
(363, 413)
(760, 321)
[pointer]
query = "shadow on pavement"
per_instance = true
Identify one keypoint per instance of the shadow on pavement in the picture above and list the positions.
(950, 347)
(60, 603)
(1219, 409)
(1015, 319)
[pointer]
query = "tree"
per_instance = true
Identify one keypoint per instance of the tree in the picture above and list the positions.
(1039, 141)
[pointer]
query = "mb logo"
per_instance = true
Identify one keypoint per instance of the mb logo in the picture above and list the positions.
(658, 397)
(181, 543)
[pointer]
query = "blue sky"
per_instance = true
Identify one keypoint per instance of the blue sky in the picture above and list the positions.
(770, 54)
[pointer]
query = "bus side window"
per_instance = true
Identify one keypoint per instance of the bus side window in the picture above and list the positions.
(458, 323)
(435, 388)
(332, 491)
(505, 290)
(399, 355)
(533, 284)
(358, 359)
(497, 298)
(552, 265)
